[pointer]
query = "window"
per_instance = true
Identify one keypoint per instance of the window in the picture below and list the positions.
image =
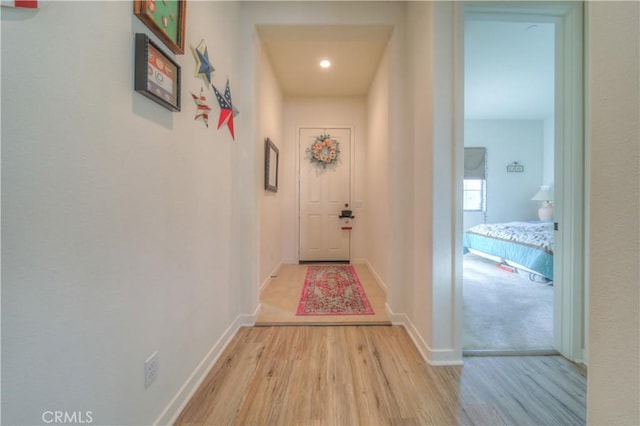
(475, 183)
(474, 195)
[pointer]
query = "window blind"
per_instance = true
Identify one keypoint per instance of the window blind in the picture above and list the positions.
(475, 163)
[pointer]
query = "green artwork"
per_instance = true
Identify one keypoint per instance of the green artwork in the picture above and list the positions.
(166, 15)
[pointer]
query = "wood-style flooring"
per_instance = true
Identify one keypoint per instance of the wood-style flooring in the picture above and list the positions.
(279, 300)
(374, 375)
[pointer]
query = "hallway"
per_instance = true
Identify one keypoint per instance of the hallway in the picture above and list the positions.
(135, 238)
(279, 300)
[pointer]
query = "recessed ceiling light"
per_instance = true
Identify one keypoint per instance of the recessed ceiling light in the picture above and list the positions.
(325, 63)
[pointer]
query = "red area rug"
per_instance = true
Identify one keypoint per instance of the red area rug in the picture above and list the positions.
(333, 290)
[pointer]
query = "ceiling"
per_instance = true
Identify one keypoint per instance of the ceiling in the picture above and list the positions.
(295, 52)
(509, 66)
(509, 70)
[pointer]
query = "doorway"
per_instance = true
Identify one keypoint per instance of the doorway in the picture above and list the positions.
(562, 145)
(509, 110)
(324, 192)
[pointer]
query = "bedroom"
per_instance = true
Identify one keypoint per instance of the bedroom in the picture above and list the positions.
(509, 158)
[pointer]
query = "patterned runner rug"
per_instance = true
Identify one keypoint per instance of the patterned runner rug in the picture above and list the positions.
(333, 290)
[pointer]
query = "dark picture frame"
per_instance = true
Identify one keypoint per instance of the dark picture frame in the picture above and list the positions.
(167, 19)
(271, 158)
(157, 76)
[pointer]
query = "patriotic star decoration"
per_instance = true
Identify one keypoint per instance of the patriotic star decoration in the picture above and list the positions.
(227, 110)
(203, 65)
(202, 107)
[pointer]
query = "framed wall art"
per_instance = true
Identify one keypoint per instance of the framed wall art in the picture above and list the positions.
(271, 154)
(156, 75)
(167, 20)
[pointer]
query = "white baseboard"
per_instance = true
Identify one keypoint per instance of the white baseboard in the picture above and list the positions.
(585, 359)
(396, 319)
(431, 356)
(379, 280)
(267, 281)
(439, 357)
(173, 409)
(248, 320)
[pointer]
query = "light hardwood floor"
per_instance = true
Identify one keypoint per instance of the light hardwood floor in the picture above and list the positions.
(374, 375)
(279, 300)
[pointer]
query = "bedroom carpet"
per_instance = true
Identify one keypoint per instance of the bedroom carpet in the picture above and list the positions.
(504, 310)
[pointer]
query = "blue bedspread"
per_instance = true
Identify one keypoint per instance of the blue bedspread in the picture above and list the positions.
(529, 244)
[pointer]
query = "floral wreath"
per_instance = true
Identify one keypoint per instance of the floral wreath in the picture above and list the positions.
(324, 150)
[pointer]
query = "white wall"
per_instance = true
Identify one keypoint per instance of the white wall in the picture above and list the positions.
(432, 289)
(508, 194)
(116, 215)
(378, 186)
(324, 111)
(614, 130)
(389, 173)
(420, 81)
(270, 111)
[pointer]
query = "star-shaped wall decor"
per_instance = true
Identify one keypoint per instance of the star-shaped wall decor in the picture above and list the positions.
(203, 66)
(202, 107)
(227, 110)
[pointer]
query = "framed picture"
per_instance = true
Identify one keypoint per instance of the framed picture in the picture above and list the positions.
(156, 75)
(271, 154)
(167, 20)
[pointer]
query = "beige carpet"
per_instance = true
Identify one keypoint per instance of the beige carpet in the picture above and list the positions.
(279, 300)
(505, 310)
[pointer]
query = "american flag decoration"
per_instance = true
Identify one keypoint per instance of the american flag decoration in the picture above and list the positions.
(202, 107)
(24, 4)
(204, 68)
(227, 111)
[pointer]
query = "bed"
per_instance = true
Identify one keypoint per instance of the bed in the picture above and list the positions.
(527, 246)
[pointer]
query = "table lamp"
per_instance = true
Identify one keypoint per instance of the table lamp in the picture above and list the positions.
(546, 196)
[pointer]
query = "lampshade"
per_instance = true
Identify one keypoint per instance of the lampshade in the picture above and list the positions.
(545, 194)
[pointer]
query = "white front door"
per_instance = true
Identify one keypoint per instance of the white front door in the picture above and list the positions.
(324, 192)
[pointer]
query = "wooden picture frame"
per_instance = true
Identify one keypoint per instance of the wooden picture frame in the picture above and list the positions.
(271, 158)
(166, 18)
(157, 76)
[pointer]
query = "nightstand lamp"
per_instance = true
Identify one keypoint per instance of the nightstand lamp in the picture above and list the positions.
(546, 196)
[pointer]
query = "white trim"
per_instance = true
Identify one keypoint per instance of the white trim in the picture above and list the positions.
(431, 356)
(377, 277)
(570, 213)
(458, 181)
(173, 409)
(272, 275)
(245, 320)
(443, 357)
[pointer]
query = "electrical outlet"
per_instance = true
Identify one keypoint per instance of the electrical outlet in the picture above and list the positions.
(151, 369)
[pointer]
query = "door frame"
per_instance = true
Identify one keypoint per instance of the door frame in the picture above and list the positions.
(570, 316)
(351, 177)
